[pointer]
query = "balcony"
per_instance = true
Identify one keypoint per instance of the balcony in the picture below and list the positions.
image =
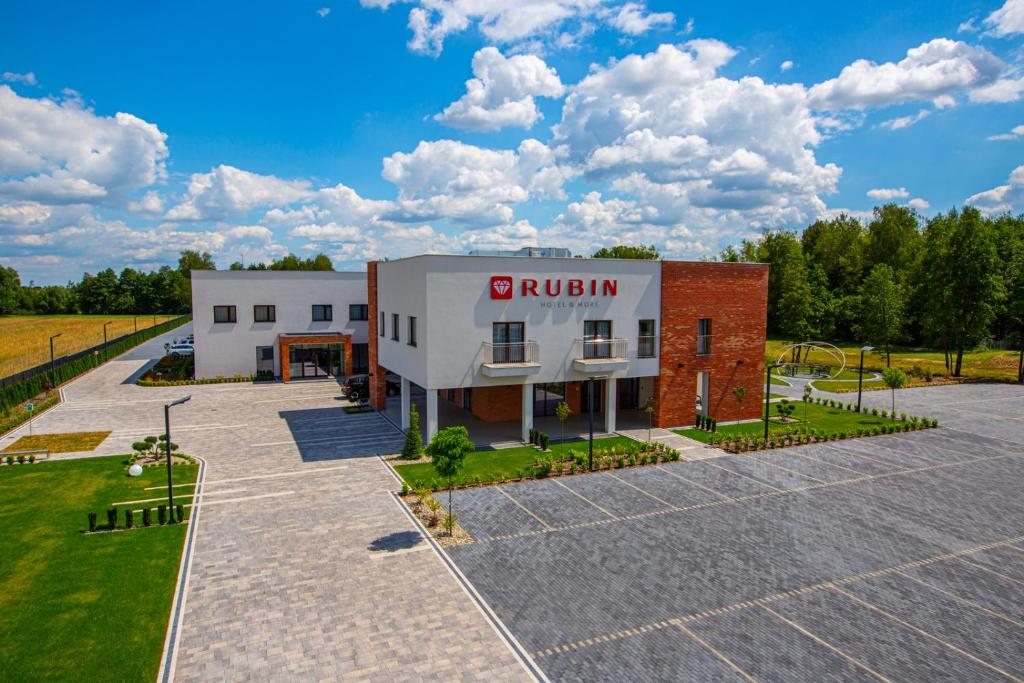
(599, 355)
(647, 346)
(703, 344)
(515, 359)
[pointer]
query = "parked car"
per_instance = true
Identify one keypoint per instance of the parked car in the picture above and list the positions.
(357, 387)
(181, 349)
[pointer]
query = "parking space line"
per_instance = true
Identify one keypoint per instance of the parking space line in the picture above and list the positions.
(756, 481)
(786, 469)
(990, 571)
(821, 641)
(524, 508)
(649, 495)
(857, 454)
(276, 494)
(822, 462)
(712, 650)
(926, 634)
(958, 598)
(694, 483)
(585, 499)
(275, 475)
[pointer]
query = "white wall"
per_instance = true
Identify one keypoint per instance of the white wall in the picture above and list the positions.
(230, 348)
(450, 295)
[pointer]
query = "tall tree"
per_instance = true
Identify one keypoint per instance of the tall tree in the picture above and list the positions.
(882, 302)
(10, 290)
(837, 245)
(193, 260)
(628, 251)
(894, 238)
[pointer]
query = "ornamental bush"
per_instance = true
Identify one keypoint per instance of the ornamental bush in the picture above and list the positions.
(161, 514)
(129, 519)
(92, 521)
(147, 517)
(112, 518)
(544, 441)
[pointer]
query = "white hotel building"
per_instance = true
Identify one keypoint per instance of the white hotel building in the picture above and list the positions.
(494, 342)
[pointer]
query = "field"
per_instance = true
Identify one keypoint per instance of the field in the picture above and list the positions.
(25, 339)
(77, 606)
(994, 365)
(69, 442)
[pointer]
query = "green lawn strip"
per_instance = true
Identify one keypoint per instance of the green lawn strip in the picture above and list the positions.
(76, 606)
(68, 442)
(777, 396)
(830, 385)
(822, 418)
(499, 464)
(778, 382)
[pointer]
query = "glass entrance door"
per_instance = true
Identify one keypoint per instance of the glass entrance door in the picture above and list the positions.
(508, 339)
(595, 335)
(315, 360)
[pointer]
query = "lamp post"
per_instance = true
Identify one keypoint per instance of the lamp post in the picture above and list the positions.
(767, 395)
(105, 339)
(860, 375)
(53, 370)
(167, 447)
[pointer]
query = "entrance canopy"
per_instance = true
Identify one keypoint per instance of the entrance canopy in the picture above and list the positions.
(315, 355)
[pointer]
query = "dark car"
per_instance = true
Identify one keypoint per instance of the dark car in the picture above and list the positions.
(357, 387)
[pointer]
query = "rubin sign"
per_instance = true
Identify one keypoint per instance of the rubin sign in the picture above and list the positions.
(503, 287)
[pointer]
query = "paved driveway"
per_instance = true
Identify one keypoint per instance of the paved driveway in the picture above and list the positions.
(898, 557)
(304, 567)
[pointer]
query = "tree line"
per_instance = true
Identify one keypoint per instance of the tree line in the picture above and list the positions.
(166, 290)
(954, 282)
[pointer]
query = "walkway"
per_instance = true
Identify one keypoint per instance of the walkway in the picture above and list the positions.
(688, 448)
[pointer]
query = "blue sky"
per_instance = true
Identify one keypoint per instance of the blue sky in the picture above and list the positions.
(129, 132)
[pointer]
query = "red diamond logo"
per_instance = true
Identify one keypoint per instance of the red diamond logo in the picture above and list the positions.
(501, 287)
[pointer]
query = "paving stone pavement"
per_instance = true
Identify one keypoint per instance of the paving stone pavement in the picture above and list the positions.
(896, 557)
(284, 582)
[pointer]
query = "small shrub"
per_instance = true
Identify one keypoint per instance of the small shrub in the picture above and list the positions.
(161, 514)
(903, 417)
(92, 521)
(543, 467)
(31, 459)
(21, 459)
(449, 523)
(544, 440)
(874, 412)
(700, 421)
(129, 519)
(181, 512)
(673, 455)
(405, 489)
(112, 518)
(147, 517)
(620, 462)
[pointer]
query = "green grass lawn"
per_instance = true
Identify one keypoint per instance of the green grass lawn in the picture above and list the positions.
(778, 382)
(75, 606)
(67, 442)
(495, 465)
(819, 417)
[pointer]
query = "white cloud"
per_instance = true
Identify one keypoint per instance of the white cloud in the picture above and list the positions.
(24, 214)
(634, 19)
(229, 191)
(905, 121)
(58, 152)
(1007, 20)
(25, 78)
(1008, 197)
(323, 12)
(1002, 91)
(151, 202)
(919, 204)
(1015, 133)
(330, 232)
(938, 67)
(888, 193)
(786, 65)
(508, 22)
(501, 92)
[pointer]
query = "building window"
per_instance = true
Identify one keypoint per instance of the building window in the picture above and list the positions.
(264, 314)
(382, 323)
(323, 313)
(265, 361)
(394, 327)
(224, 314)
(508, 342)
(597, 336)
(704, 336)
(647, 340)
(412, 331)
(358, 312)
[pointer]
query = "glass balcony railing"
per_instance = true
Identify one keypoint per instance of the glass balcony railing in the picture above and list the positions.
(513, 352)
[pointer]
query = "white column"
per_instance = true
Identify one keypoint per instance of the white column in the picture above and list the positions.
(406, 395)
(527, 412)
(431, 414)
(610, 399)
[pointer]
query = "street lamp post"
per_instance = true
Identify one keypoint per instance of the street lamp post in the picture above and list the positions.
(860, 375)
(105, 339)
(767, 396)
(53, 368)
(167, 447)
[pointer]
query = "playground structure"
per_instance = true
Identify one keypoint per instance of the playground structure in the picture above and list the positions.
(811, 360)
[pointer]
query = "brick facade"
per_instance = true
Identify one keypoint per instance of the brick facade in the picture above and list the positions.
(284, 341)
(498, 404)
(378, 380)
(735, 297)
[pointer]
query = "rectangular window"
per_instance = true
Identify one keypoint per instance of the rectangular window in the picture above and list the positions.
(412, 331)
(264, 314)
(358, 312)
(647, 340)
(382, 323)
(265, 360)
(224, 314)
(394, 327)
(704, 336)
(508, 342)
(597, 336)
(323, 313)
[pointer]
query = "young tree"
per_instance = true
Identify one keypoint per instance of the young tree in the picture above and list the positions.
(448, 451)
(10, 290)
(562, 412)
(894, 379)
(881, 309)
(649, 409)
(627, 251)
(413, 439)
(807, 399)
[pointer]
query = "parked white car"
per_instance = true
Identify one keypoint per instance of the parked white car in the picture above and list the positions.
(181, 350)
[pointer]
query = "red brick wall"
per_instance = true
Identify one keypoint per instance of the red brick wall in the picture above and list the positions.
(378, 382)
(498, 404)
(572, 396)
(735, 297)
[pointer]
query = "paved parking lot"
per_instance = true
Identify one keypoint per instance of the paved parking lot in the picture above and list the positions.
(898, 557)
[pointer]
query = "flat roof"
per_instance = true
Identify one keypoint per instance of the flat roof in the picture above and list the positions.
(573, 259)
(280, 274)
